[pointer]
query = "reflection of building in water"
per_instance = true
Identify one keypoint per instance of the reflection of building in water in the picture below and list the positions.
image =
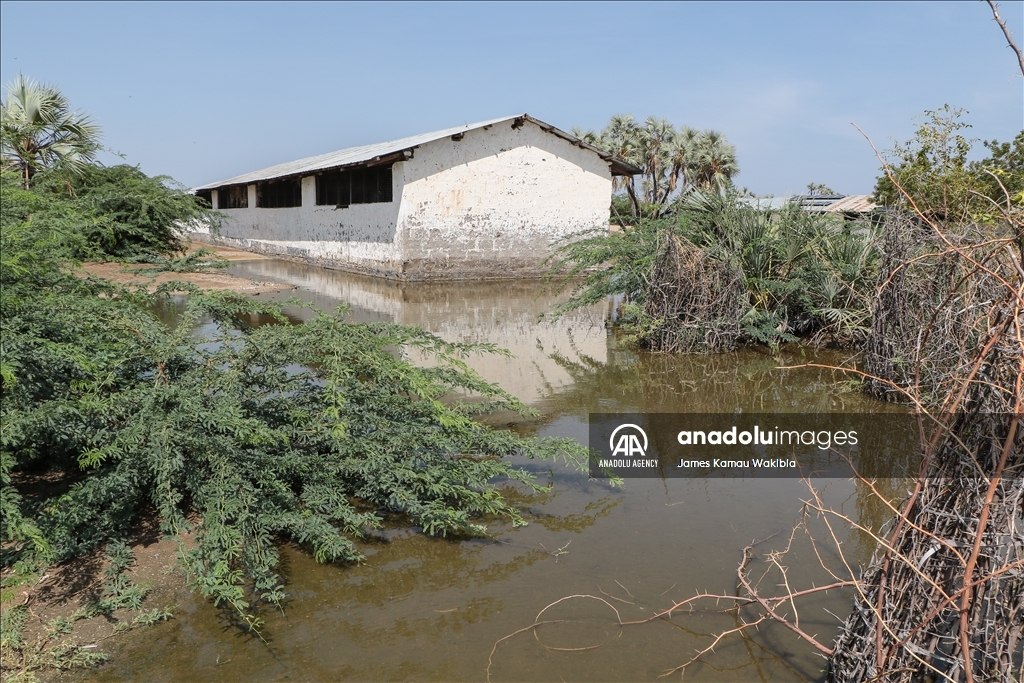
(504, 313)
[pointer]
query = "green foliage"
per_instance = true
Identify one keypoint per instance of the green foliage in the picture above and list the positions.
(933, 169)
(806, 275)
(101, 213)
(1006, 163)
(673, 161)
(132, 213)
(57, 648)
(263, 431)
(38, 131)
(614, 263)
(820, 188)
(12, 626)
(198, 261)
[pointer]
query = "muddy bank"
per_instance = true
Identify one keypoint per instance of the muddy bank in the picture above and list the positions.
(57, 636)
(129, 274)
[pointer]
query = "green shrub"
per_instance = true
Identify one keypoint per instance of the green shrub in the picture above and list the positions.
(805, 275)
(259, 434)
(105, 212)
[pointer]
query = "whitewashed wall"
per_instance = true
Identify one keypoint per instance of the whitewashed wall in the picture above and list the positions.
(487, 206)
(492, 203)
(361, 237)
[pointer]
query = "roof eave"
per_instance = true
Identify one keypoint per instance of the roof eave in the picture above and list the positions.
(622, 168)
(618, 166)
(400, 155)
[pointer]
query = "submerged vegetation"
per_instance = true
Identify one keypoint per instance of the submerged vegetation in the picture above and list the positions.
(238, 431)
(256, 433)
(933, 290)
(937, 287)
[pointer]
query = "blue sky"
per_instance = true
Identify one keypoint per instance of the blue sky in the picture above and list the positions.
(202, 92)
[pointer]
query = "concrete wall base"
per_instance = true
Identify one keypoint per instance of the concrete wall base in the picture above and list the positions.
(416, 270)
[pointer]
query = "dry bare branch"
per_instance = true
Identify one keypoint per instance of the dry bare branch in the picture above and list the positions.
(1009, 36)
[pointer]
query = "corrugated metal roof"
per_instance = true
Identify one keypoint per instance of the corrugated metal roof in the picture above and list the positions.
(855, 203)
(838, 203)
(832, 203)
(369, 153)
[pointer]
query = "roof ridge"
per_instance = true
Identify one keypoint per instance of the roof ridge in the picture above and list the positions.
(308, 164)
(364, 153)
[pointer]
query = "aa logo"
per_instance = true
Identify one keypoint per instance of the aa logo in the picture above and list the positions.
(626, 440)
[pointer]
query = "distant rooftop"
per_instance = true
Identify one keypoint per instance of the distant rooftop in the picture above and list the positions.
(378, 152)
(820, 203)
(836, 203)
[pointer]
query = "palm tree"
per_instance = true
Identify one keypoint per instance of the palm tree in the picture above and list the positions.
(715, 162)
(656, 136)
(38, 130)
(587, 136)
(680, 154)
(621, 139)
(673, 161)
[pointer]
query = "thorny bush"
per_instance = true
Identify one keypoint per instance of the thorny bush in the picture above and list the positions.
(256, 432)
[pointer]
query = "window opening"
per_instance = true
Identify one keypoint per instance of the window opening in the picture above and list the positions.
(279, 194)
(354, 186)
(233, 197)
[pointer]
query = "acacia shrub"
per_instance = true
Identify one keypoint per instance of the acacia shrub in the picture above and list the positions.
(133, 215)
(115, 212)
(314, 433)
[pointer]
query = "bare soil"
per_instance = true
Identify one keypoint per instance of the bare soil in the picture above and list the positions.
(63, 589)
(128, 274)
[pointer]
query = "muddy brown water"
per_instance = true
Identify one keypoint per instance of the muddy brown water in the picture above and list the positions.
(430, 609)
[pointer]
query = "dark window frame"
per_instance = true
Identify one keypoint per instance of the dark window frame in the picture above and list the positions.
(205, 198)
(285, 193)
(233, 197)
(361, 185)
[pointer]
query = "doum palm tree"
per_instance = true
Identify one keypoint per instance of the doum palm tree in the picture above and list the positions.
(674, 161)
(39, 130)
(714, 162)
(621, 138)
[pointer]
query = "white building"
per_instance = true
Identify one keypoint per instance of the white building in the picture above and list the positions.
(485, 200)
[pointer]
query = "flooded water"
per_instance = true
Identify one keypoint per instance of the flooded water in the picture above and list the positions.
(428, 609)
